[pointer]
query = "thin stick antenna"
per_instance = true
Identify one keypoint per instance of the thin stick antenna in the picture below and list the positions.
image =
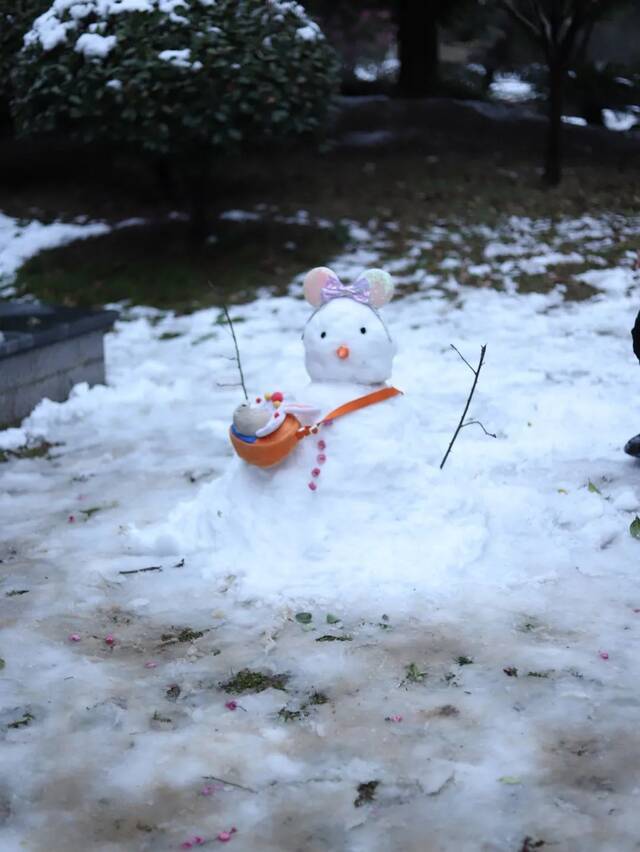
(237, 358)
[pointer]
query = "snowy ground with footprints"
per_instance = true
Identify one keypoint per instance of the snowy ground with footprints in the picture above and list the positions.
(411, 658)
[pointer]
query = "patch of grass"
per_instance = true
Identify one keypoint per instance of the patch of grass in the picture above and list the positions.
(157, 265)
(187, 634)
(25, 720)
(413, 674)
(287, 715)
(447, 711)
(158, 717)
(538, 674)
(253, 681)
(15, 592)
(366, 793)
(37, 450)
(464, 661)
(211, 336)
(316, 699)
(91, 511)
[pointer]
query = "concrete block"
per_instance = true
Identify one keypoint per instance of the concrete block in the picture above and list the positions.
(48, 363)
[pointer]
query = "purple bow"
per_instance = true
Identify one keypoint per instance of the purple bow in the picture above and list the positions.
(360, 290)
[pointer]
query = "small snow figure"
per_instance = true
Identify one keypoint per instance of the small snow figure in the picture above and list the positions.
(632, 446)
(347, 345)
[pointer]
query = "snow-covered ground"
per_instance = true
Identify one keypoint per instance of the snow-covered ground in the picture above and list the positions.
(512, 88)
(476, 691)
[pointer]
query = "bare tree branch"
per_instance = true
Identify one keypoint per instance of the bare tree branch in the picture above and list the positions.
(229, 783)
(544, 21)
(522, 19)
(461, 424)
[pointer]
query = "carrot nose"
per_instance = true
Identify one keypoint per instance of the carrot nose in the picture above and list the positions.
(342, 352)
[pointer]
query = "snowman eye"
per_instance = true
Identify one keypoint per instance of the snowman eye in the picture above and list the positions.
(324, 334)
(363, 330)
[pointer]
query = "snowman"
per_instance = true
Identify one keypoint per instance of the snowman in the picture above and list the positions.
(340, 427)
(348, 500)
(347, 448)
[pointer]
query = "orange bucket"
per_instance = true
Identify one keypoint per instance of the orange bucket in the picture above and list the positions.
(265, 452)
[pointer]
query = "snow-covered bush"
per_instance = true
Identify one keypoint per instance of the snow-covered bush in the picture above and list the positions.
(174, 77)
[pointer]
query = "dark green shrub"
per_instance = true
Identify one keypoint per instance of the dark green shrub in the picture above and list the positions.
(16, 17)
(174, 77)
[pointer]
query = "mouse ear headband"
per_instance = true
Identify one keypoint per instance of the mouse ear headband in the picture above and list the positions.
(373, 287)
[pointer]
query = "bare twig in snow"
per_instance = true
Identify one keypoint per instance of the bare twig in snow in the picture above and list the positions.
(141, 570)
(229, 783)
(443, 786)
(462, 423)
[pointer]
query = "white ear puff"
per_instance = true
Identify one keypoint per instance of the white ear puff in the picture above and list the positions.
(381, 286)
(314, 282)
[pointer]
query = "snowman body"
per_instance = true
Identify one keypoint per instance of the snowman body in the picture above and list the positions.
(330, 487)
(338, 480)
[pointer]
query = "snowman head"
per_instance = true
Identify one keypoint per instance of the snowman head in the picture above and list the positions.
(345, 340)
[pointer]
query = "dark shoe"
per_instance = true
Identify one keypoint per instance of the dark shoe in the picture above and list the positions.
(632, 447)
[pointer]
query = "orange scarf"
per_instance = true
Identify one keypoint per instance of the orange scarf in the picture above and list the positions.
(349, 407)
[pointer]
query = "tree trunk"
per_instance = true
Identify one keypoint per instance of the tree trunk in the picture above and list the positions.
(553, 159)
(418, 47)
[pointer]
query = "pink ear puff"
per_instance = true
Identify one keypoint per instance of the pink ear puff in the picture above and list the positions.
(314, 282)
(381, 287)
